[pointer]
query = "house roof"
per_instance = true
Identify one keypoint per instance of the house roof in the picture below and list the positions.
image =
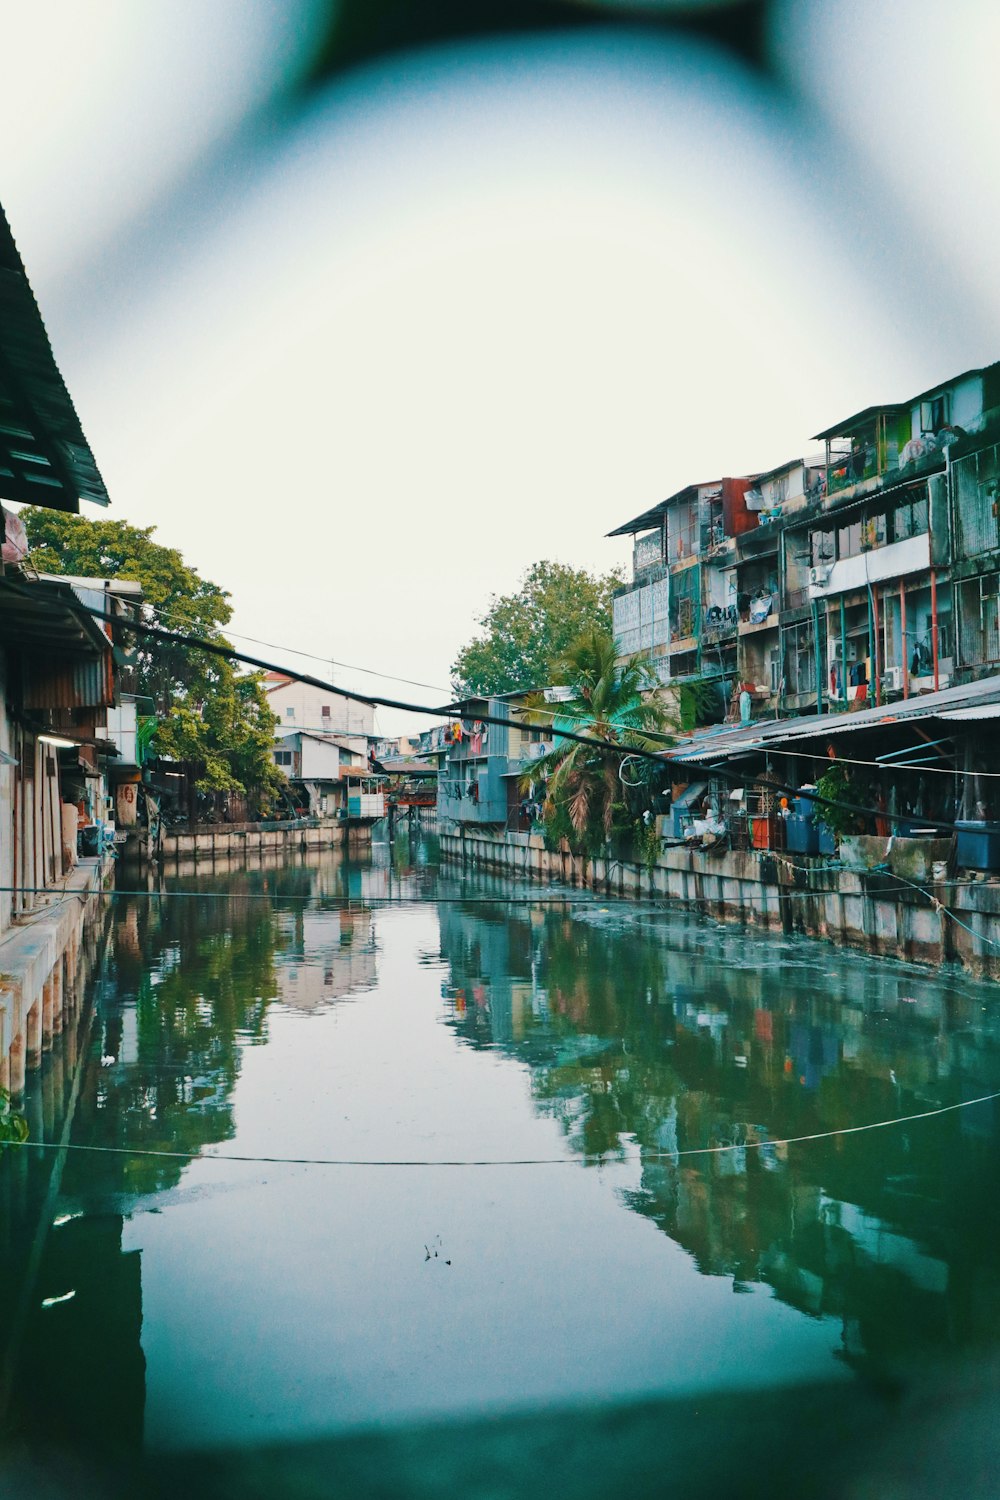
(849, 423)
(972, 700)
(404, 767)
(44, 457)
(655, 513)
(46, 615)
(790, 463)
(652, 516)
(860, 418)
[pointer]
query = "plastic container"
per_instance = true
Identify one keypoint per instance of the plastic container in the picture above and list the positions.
(978, 846)
(801, 835)
(827, 839)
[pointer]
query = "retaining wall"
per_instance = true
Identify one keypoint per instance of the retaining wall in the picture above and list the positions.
(44, 961)
(874, 910)
(244, 839)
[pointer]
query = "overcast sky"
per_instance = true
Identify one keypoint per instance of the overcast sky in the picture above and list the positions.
(364, 363)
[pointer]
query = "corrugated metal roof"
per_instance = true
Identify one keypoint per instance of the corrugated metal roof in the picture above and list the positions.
(44, 457)
(725, 742)
(54, 683)
(64, 658)
(842, 429)
(984, 711)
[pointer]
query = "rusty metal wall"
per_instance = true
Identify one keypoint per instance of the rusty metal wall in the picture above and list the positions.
(55, 683)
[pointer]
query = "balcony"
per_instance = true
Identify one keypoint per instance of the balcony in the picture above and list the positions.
(647, 557)
(683, 643)
(876, 565)
(719, 624)
(851, 473)
(763, 614)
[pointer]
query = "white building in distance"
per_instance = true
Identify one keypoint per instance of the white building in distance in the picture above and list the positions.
(316, 711)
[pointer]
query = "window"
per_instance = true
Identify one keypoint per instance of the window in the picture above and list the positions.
(289, 713)
(910, 519)
(849, 539)
(934, 413)
(979, 621)
(282, 757)
(872, 532)
(325, 710)
(821, 545)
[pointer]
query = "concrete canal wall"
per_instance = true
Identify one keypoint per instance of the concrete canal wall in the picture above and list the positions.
(253, 839)
(892, 911)
(44, 961)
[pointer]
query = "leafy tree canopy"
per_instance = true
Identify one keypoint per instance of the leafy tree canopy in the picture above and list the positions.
(586, 800)
(525, 635)
(208, 711)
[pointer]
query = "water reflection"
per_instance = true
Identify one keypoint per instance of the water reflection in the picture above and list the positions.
(661, 1035)
(297, 1008)
(185, 985)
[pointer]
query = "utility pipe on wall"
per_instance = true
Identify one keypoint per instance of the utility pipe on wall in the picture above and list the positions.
(902, 630)
(843, 650)
(873, 637)
(816, 658)
(934, 626)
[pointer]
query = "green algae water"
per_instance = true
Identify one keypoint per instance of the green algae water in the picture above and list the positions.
(158, 1305)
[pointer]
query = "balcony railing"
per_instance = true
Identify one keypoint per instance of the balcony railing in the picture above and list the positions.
(851, 468)
(719, 622)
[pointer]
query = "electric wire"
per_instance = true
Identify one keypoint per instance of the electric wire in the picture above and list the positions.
(335, 901)
(348, 666)
(523, 1161)
(437, 711)
(846, 760)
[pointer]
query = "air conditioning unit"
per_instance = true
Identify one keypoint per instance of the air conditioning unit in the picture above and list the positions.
(892, 679)
(819, 576)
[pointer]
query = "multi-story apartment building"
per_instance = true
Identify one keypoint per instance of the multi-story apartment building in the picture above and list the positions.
(680, 609)
(300, 706)
(480, 779)
(867, 573)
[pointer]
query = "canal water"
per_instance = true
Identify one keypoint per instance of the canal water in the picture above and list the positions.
(353, 1145)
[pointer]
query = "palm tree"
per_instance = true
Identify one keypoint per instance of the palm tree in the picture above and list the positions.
(611, 703)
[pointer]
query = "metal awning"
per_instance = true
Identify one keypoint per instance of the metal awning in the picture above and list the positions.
(48, 617)
(971, 701)
(44, 457)
(979, 711)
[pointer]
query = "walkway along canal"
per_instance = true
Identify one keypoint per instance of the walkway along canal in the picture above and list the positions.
(631, 1075)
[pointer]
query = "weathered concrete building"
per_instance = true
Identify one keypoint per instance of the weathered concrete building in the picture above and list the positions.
(300, 706)
(479, 781)
(680, 611)
(57, 687)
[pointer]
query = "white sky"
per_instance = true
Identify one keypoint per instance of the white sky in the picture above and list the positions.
(476, 308)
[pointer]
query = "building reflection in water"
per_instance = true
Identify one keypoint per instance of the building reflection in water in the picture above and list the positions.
(644, 1035)
(183, 986)
(648, 1036)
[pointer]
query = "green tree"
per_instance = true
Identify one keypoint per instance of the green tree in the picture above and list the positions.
(586, 800)
(209, 712)
(525, 634)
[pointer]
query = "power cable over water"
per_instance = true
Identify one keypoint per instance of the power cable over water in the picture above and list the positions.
(617, 749)
(600, 1158)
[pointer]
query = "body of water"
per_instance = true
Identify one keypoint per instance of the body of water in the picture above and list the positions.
(597, 1204)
